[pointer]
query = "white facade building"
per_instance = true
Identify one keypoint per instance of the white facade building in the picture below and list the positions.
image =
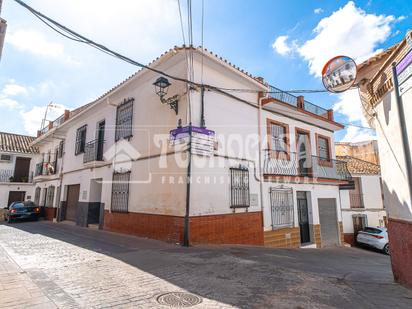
(17, 159)
(269, 176)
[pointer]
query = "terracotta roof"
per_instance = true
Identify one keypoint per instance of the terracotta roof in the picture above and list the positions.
(10, 142)
(378, 56)
(358, 166)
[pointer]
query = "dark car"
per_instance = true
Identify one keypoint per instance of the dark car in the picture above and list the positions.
(22, 210)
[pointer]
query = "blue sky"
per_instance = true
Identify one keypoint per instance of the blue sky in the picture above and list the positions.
(284, 41)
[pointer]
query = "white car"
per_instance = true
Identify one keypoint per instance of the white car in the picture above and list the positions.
(376, 237)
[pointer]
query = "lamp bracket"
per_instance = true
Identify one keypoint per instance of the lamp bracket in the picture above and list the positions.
(172, 102)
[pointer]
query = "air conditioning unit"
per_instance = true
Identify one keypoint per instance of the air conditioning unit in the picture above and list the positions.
(3, 27)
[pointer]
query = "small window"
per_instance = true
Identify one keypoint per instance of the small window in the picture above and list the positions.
(239, 191)
(124, 119)
(281, 202)
(120, 192)
(50, 196)
(5, 157)
(323, 148)
(80, 140)
(278, 138)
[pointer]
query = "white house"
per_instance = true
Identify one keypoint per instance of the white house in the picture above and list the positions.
(260, 164)
(363, 205)
(17, 160)
(381, 100)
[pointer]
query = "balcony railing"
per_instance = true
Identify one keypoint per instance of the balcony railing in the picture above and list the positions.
(292, 100)
(356, 200)
(8, 176)
(45, 169)
(93, 151)
(292, 164)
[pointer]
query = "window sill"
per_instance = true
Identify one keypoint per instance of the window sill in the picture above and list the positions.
(237, 206)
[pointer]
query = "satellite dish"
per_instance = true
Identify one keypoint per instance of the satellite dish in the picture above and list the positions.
(339, 74)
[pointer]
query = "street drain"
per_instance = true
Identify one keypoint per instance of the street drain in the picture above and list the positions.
(179, 299)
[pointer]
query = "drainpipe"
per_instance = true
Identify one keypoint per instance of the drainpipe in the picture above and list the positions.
(186, 233)
(404, 132)
(202, 115)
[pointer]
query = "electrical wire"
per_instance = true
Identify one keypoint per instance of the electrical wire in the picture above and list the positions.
(74, 36)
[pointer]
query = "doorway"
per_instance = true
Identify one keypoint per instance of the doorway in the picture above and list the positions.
(303, 216)
(21, 170)
(72, 201)
(328, 222)
(16, 196)
(100, 140)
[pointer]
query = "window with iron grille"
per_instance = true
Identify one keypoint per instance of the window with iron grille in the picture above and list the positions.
(50, 196)
(281, 201)
(239, 187)
(278, 136)
(120, 192)
(60, 149)
(124, 119)
(323, 148)
(80, 140)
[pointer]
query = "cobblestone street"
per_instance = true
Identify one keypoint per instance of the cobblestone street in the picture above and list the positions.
(46, 265)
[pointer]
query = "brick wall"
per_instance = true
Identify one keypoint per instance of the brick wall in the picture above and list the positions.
(237, 228)
(283, 238)
(166, 228)
(349, 238)
(341, 234)
(49, 213)
(317, 236)
(400, 244)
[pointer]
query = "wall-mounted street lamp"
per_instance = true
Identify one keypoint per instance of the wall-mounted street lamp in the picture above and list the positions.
(161, 87)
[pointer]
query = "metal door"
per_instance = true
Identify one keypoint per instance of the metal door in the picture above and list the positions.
(15, 196)
(303, 217)
(328, 218)
(72, 200)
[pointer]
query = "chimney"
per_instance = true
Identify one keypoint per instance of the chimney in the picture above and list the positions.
(301, 102)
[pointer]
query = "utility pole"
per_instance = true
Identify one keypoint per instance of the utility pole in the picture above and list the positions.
(3, 27)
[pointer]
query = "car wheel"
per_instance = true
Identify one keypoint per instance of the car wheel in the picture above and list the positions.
(386, 249)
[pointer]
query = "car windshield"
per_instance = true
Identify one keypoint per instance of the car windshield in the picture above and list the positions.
(372, 230)
(18, 205)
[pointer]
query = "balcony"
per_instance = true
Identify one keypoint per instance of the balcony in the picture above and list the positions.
(291, 164)
(9, 176)
(93, 151)
(299, 103)
(45, 169)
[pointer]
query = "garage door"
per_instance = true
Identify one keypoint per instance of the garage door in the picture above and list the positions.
(72, 200)
(328, 222)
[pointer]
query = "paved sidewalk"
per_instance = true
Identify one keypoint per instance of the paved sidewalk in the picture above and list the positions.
(70, 267)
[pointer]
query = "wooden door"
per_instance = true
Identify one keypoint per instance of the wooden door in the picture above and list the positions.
(72, 201)
(16, 196)
(21, 169)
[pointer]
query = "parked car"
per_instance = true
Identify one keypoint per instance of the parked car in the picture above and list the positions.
(376, 237)
(21, 210)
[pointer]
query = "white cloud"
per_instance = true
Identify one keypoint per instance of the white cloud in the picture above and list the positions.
(318, 11)
(349, 31)
(32, 118)
(349, 105)
(355, 134)
(36, 43)
(280, 45)
(9, 93)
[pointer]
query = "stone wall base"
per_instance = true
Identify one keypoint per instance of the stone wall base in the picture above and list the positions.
(400, 244)
(49, 213)
(283, 238)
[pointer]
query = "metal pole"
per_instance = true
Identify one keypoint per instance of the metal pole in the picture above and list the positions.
(186, 232)
(404, 132)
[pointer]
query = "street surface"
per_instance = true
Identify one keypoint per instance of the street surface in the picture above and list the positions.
(48, 265)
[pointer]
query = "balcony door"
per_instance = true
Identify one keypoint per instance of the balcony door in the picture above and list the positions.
(100, 140)
(303, 151)
(22, 169)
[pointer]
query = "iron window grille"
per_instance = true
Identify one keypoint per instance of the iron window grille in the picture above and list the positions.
(80, 140)
(278, 135)
(281, 201)
(37, 196)
(60, 149)
(239, 187)
(120, 192)
(323, 145)
(50, 196)
(124, 119)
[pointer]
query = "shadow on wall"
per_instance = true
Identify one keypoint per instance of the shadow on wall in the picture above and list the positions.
(400, 238)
